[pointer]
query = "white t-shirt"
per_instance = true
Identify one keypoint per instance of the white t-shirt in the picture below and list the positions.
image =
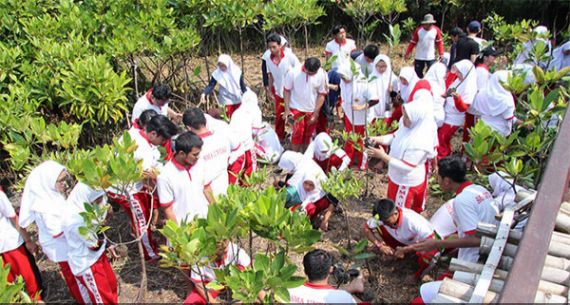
(358, 92)
(319, 294)
(304, 88)
(11, 239)
(472, 204)
(215, 155)
(184, 190)
(379, 110)
(502, 123)
(342, 51)
(279, 68)
(412, 227)
(442, 220)
(51, 237)
(81, 256)
(234, 256)
(483, 76)
(267, 145)
(453, 116)
(365, 67)
(143, 103)
(425, 43)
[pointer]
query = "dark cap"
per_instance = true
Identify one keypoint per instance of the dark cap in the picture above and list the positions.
(456, 31)
(490, 51)
(384, 208)
(474, 26)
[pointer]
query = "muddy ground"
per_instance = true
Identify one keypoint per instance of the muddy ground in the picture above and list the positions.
(388, 282)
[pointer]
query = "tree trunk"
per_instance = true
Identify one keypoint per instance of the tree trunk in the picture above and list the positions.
(306, 40)
(241, 51)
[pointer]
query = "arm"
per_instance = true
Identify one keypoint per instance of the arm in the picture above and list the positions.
(412, 44)
(318, 106)
(469, 241)
(345, 163)
(439, 43)
(30, 244)
(173, 115)
(459, 103)
(211, 85)
(268, 88)
(209, 194)
(287, 100)
(242, 84)
(378, 242)
(169, 213)
(383, 140)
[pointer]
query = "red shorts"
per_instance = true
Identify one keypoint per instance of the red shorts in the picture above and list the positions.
(279, 120)
(22, 263)
(444, 135)
(246, 164)
(408, 197)
(314, 209)
(230, 109)
(302, 130)
(100, 282)
(196, 298)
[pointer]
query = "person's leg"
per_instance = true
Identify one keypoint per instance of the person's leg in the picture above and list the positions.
(143, 208)
(309, 130)
(298, 133)
(360, 154)
(400, 194)
(332, 97)
(22, 264)
(429, 63)
(77, 290)
(322, 123)
(235, 169)
(418, 197)
(348, 145)
(101, 285)
(469, 122)
(444, 135)
(419, 68)
(279, 121)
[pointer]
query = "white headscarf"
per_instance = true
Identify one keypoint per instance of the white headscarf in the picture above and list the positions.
(230, 79)
(311, 172)
(409, 74)
(81, 194)
(422, 135)
(502, 189)
(290, 160)
(40, 194)
(494, 99)
(321, 148)
(468, 87)
(436, 77)
(383, 80)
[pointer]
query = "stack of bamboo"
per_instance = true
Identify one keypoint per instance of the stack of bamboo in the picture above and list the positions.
(501, 248)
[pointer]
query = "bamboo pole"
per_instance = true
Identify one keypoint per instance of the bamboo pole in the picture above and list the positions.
(486, 229)
(555, 249)
(487, 245)
(560, 237)
(563, 221)
(472, 278)
(464, 291)
(557, 262)
(445, 299)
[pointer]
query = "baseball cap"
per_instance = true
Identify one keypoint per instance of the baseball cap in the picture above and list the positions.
(474, 26)
(491, 51)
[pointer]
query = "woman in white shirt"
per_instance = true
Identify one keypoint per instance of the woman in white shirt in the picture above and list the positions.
(495, 105)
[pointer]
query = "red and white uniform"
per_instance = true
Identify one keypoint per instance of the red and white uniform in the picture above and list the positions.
(245, 122)
(455, 107)
(426, 42)
(410, 148)
(341, 49)
(483, 75)
(267, 145)
(366, 68)
(234, 256)
(319, 294)
(145, 103)
(141, 200)
(380, 85)
(87, 261)
(495, 105)
(355, 93)
(14, 252)
(411, 228)
(229, 81)
(215, 155)
(278, 67)
(183, 189)
(442, 220)
(436, 78)
(312, 202)
(305, 89)
(323, 151)
(472, 204)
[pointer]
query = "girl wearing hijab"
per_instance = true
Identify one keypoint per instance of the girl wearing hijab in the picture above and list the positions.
(495, 105)
(87, 259)
(232, 84)
(356, 95)
(383, 81)
(17, 249)
(408, 80)
(325, 153)
(436, 78)
(410, 147)
(462, 87)
(43, 203)
(304, 189)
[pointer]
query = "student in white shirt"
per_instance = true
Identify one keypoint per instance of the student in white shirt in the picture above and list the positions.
(462, 80)
(43, 203)
(183, 190)
(305, 90)
(278, 61)
(495, 105)
(267, 145)
(356, 96)
(142, 208)
(17, 249)
(472, 204)
(436, 78)
(87, 259)
(318, 266)
(327, 154)
(407, 82)
(483, 65)
(366, 59)
(393, 230)
(157, 99)
(227, 254)
(140, 123)
(383, 81)
(410, 147)
(232, 85)
(215, 153)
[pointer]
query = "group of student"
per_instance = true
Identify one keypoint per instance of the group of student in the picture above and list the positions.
(215, 150)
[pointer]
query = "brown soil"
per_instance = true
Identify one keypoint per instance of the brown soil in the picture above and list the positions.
(387, 283)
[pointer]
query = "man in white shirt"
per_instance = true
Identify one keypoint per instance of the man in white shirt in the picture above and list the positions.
(215, 151)
(17, 249)
(366, 59)
(425, 39)
(183, 191)
(305, 89)
(318, 266)
(278, 61)
(156, 98)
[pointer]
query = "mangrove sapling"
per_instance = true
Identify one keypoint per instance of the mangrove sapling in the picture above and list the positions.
(341, 186)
